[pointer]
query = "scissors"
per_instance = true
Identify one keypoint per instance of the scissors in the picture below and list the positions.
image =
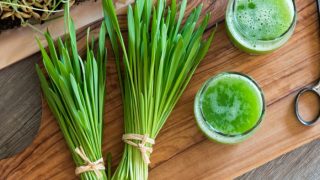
(314, 89)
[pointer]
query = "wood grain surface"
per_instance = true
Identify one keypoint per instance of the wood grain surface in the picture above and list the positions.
(20, 107)
(181, 151)
(302, 163)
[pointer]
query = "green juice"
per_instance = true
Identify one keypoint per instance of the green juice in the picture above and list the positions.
(229, 107)
(260, 26)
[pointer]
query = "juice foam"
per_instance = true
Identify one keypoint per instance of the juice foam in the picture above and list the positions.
(264, 19)
(232, 104)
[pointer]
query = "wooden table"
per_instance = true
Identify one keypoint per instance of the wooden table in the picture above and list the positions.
(302, 163)
(181, 151)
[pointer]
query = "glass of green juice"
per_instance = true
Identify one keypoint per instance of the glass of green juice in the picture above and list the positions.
(229, 107)
(260, 26)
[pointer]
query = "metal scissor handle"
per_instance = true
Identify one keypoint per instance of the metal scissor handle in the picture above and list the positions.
(316, 90)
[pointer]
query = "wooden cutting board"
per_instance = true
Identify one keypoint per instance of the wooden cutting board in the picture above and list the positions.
(181, 150)
(19, 43)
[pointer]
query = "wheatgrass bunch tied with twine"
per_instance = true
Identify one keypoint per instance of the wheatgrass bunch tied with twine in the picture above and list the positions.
(158, 62)
(24, 10)
(75, 93)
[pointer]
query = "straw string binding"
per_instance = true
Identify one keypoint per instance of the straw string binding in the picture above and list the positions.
(144, 140)
(96, 166)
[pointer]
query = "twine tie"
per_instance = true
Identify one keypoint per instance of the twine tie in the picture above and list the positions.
(145, 150)
(89, 165)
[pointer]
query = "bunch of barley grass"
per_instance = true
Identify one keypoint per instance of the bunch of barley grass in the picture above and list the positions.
(159, 59)
(75, 92)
